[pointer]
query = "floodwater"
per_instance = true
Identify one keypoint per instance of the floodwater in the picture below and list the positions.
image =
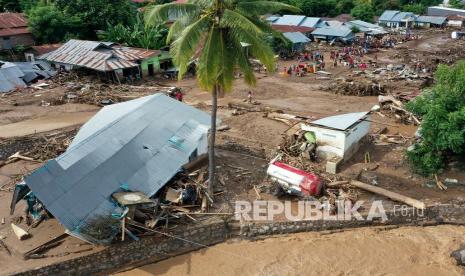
(368, 251)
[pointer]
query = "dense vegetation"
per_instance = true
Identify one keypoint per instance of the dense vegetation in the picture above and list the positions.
(58, 20)
(443, 127)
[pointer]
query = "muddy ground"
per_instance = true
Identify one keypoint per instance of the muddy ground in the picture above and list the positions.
(369, 251)
(249, 143)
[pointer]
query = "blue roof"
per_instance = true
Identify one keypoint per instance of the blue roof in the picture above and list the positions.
(137, 145)
(296, 37)
(388, 15)
(340, 31)
(290, 20)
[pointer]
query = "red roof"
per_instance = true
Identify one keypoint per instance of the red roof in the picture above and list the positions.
(287, 28)
(46, 48)
(13, 24)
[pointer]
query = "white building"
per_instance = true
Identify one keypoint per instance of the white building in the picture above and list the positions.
(339, 135)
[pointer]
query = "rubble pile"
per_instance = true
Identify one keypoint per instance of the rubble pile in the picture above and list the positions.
(394, 108)
(37, 147)
(357, 87)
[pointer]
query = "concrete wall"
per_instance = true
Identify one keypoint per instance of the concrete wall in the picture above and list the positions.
(153, 249)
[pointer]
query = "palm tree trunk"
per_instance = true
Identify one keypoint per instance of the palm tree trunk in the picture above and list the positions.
(211, 144)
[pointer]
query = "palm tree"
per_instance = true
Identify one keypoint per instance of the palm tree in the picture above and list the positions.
(213, 31)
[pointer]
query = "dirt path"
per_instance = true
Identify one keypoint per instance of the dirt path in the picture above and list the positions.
(45, 123)
(403, 251)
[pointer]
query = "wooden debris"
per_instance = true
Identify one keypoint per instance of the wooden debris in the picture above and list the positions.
(20, 233)
(394, 196)
(259, 197)
(439, 183)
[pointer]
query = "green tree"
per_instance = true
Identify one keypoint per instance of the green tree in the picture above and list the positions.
(458, 4)
(49, 25)
(137, 35)
(442, 109)
(10, 6)
(415, 8)
(96, 14)
(316, 8)
(363, 11)
(213, 31)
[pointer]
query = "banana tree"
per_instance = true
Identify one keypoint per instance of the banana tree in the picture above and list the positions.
(213, 32)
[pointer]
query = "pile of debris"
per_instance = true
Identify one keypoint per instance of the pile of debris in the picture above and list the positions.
(359, 88)
(38, 147)
(393, 108)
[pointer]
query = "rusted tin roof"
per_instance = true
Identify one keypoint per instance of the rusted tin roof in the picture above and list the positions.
(46, 48)
(96, 55)
(13, 24)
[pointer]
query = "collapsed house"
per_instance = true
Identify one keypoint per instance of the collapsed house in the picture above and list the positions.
(16, 75)
(107, 59)
(368, 29)
(124, 155)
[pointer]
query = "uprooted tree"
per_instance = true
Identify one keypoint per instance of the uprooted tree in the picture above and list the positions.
(442, 109)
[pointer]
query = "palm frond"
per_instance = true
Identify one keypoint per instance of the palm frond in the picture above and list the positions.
(184, 47)
(236, 21)
(162, 13)
(256, 8)
(210, 66)
(259, 47)
(243, 62)
(178, 26)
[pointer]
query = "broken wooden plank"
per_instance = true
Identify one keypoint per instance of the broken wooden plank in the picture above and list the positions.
(394, 196)
(20, 233)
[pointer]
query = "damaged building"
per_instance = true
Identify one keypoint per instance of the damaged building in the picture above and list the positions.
(123, 156)
(17, 75)
(108, 60)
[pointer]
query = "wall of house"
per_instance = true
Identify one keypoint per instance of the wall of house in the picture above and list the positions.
(455, 23)
(8, 42)
(328, 137)
(354, 136)
(155, 61)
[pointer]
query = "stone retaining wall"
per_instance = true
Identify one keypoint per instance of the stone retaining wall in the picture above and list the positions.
(153, 249)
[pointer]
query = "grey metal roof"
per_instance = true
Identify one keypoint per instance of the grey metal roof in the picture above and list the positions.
(296, 37)
(388, 15)
(341, 122)
(401, 16)
(11, 77)
(96, 55)
(290, 20)
(361, 23)
(311, 22)
(341, 31)
(36, 69)
(139, 145)
(438, 20)
(445, 11)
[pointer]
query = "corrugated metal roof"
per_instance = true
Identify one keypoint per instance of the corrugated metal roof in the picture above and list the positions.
(311, 22)
(290, 20)
(360, 23)
(11, 77)
(341, 122)
(297, 37)
(100, 56)
(13, 24)
(401, 16)
(341, 31)
(290, 29)
(388, 15)
(46, 48)
(438, 20)
(139, 144)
